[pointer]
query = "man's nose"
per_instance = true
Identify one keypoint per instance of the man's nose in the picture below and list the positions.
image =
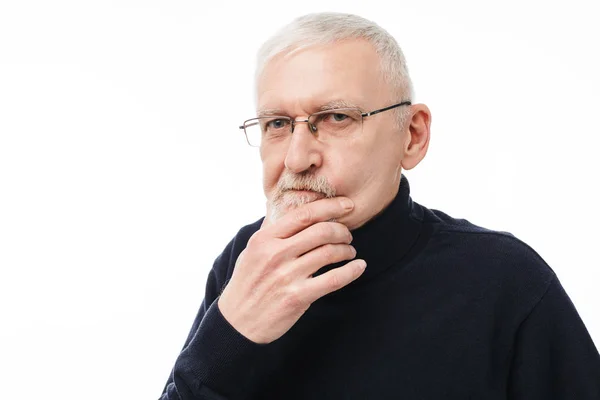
(304, 152)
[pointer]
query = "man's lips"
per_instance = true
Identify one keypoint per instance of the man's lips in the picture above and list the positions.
(302, 192)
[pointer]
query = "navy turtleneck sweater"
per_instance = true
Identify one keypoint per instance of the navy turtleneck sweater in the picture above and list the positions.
(445, 310)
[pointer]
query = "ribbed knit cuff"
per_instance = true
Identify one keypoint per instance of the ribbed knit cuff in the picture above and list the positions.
(219, 357)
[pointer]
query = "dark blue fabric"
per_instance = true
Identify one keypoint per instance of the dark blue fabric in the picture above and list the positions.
(445, 310)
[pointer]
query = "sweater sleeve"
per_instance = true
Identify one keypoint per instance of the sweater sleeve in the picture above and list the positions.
(554, 357)
(216, 362)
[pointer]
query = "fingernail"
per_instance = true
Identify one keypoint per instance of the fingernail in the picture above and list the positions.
(347, 204)
(362, 264)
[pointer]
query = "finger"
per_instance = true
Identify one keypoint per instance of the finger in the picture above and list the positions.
(312, 261)
(309, 214)
(333, 280)
(317, 235)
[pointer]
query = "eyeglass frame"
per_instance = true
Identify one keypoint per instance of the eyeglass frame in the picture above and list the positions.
(311, 127)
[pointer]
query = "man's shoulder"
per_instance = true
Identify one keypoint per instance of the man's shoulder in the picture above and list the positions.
(465, 233)
(497, 264)
(496, 254)
(447, 223)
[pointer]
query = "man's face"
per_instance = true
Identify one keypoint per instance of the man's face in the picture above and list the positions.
(365, 167)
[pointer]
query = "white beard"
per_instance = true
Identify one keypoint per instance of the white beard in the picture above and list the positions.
(283, 200)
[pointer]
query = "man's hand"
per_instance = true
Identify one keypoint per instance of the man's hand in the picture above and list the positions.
(272, 284)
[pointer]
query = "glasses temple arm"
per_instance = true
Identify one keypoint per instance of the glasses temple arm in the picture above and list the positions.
(404, 103)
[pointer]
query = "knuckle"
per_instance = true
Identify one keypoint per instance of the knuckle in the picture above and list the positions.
(349, 251)
(255, 240)
(343, 232)
(282, 277)
(329, 251)
(303, 215)
(334, 282)
(241, 258)
(270, 257)
(293, 299)
(340, 231)
(348, 234)
(263, 251)
(325, 231)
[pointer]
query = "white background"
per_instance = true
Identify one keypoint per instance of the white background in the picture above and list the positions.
(123, 174)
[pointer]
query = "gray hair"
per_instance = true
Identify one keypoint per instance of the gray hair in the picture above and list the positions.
(326, 28)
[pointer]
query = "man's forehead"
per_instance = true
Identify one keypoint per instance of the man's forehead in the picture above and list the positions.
(345, 74)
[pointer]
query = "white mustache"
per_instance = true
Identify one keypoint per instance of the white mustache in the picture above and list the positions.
(313, 183)
(289, 181)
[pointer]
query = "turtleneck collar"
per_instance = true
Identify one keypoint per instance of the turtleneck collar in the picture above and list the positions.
(388, 237)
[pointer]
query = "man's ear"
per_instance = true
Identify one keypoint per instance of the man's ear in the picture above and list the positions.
(417, 134)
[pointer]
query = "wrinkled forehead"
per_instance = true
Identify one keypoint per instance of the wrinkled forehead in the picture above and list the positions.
(345, 73)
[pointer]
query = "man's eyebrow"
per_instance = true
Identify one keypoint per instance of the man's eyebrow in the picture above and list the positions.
(335, 104)
(330, 105)
(271, 111)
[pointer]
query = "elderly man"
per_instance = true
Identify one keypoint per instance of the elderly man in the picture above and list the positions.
(348, 289)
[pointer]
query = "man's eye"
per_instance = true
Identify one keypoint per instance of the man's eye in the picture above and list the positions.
(335, 117)
(339, 117)
(277, 124)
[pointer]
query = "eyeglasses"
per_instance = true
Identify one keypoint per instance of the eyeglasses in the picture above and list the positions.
(325, 125)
